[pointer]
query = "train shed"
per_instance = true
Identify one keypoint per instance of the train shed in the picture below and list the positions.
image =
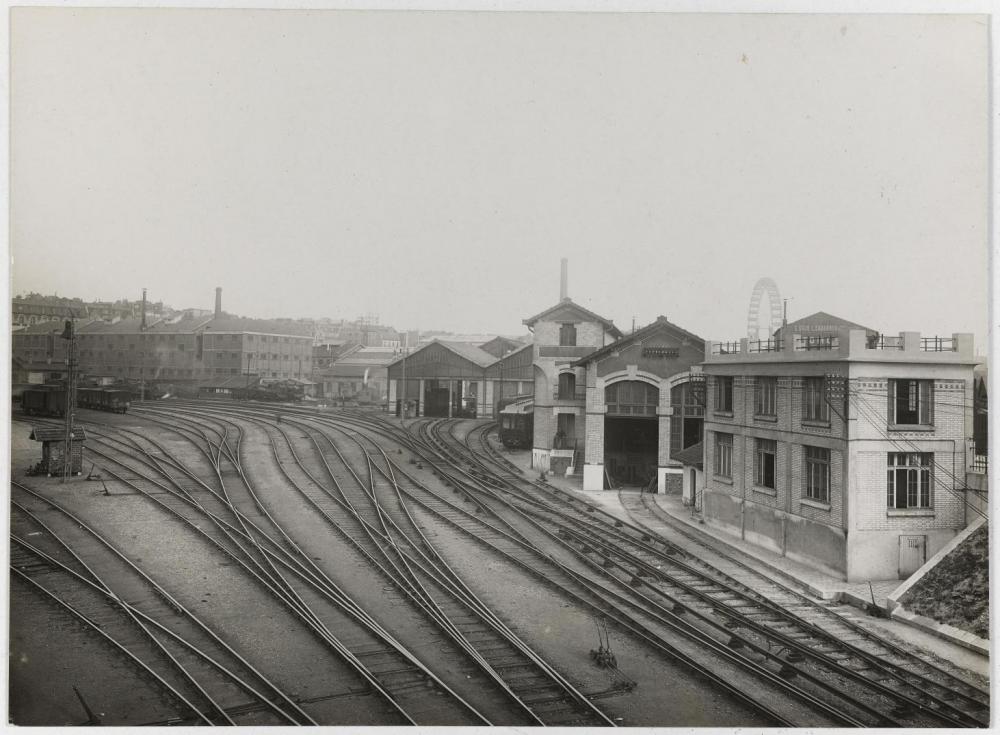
(444, 379)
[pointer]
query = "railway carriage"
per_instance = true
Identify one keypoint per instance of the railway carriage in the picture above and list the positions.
(517, 419)
(44, 400)
(114, 400)
(50, 400)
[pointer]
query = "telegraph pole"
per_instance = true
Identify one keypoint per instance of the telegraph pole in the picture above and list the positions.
(402, 402)
(70, 399)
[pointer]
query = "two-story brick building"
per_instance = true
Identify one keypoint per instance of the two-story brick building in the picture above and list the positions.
(562, 334)
(614, 406)
(845, 452)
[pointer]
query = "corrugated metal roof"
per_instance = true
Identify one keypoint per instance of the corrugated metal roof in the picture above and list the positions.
(470, 352)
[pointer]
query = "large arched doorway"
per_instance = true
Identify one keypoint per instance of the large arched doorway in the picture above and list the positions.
(631, 432)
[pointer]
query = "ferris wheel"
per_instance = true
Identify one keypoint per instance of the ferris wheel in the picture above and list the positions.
(753, 313)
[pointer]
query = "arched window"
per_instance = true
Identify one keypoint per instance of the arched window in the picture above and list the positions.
(567, 385)
(631, 398)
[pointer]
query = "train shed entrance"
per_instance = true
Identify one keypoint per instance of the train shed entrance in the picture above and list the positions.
(631, 433)
(442, 379)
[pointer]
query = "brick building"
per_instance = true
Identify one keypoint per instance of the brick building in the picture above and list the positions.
(847, 452)
(179, 350)
(611, 405)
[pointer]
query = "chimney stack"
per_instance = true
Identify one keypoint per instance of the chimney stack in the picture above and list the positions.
(142, 325)
(218, 301)
(563, 279)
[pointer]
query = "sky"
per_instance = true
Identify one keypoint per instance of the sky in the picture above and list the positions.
(433, 167)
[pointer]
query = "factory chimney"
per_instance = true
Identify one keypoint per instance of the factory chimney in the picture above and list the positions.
(142, 324)
(218, 301)
(563, 279)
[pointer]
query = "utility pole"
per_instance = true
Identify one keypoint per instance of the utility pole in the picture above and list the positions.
(69, 335)
(402, 402)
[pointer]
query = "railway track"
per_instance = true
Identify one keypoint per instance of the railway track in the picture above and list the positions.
(889, 684)
(278, 567)
(412, 564)
(351, 469)
(163, 638)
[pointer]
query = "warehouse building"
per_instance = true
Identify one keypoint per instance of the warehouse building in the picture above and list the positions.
(182, 349)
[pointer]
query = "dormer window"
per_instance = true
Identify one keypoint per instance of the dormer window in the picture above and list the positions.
(567, 335)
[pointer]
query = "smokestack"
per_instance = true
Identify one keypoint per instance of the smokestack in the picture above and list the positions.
(218, 301)
(142, 325)
(563, 279)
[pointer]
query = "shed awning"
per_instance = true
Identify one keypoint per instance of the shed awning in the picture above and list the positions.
(56, 434)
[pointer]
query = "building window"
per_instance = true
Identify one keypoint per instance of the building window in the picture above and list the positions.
(724, 394)
(567, 386)
(909, 480)
(766, 397)
(818, 474)
(815, 407)
(764, 463)
(723, 454)
(631, 398)
(567, 335)
(910, 401)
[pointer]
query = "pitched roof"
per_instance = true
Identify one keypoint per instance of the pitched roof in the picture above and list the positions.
(639, 335)
(470, 352)
(227, 323)
(500, 345)
(570, 304)
(57, 434)
(692, 456)
(55, 325)
(466, 351)
(822, 322)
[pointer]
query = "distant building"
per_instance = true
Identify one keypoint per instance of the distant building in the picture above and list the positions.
(358, 374)
(180, 349)
(846, 451)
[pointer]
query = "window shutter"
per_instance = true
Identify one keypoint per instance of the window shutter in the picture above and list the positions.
(926, 402)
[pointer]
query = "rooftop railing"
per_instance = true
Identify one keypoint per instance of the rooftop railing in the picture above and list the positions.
(765, 345)
(725, 348)
(883, 342)
(937, 344)
(851, 344)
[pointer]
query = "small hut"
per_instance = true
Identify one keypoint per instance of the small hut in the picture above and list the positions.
(53, 441)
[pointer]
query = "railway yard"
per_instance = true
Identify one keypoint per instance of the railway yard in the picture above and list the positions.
(252, 564)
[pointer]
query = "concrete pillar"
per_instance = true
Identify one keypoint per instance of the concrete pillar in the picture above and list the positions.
(451, 386)
(593, 461)
(489, 401)
(482, 407)
(420, 399)
(391, 408)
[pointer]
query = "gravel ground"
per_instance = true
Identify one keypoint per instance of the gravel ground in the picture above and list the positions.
(48, 658)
